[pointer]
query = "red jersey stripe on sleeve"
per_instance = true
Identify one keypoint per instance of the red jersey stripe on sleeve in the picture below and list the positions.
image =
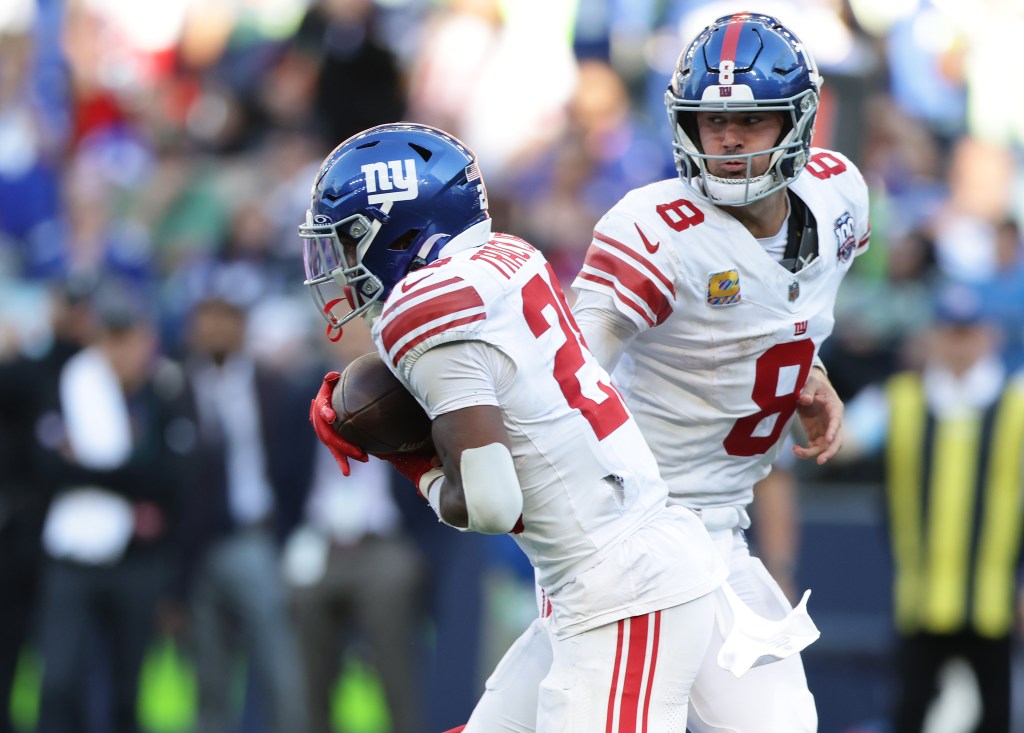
(618, 294)
(633, 255)
(447, 326)
(417, 291)
(864, 240)
(444, 309)
(629, 279)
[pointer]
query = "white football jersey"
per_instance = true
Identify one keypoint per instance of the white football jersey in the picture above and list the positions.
(726, 333)
(595, 521)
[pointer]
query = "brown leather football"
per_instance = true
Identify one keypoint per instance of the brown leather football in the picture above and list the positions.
(375, 411)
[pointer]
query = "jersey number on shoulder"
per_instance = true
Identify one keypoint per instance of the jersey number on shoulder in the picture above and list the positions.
(780, 375)
(680, 214)
(825, 165)
(541, 298)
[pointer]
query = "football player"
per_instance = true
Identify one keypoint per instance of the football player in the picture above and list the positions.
(709, 295)
(532, 437)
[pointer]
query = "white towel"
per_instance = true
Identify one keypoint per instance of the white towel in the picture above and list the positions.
(95, 414)
(752, 640)
(89, 524)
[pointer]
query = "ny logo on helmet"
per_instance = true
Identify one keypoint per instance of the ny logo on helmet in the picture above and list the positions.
(394, 182)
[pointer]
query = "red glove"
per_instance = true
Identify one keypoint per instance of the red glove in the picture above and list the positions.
(322, 417)
(412, 465)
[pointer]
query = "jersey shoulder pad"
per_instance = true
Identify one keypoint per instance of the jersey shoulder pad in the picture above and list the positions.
(838, 177)
(835, 168)
(431, 306)
(629, 258)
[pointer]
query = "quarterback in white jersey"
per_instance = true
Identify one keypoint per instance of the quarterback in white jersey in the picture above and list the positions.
(532, 436)
(719, 338)
(709, 296)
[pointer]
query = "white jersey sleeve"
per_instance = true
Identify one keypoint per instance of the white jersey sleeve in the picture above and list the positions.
(608, 333)
(833, 174)
(638, 279)
(467, 378)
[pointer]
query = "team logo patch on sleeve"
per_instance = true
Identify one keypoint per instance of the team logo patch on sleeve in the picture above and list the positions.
(846, 239)
(724, 288)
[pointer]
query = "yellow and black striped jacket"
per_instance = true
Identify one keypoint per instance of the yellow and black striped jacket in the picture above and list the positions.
(955, 499)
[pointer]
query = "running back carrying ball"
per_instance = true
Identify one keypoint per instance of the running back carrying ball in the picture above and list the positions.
(375, 411)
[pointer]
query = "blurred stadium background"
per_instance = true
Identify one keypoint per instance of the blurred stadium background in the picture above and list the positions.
(171, 144)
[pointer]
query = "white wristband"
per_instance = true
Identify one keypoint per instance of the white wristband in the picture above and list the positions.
(428, 478)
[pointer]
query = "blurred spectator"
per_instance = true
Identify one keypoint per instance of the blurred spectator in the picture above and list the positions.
(925, 53)
(980, 179)
(603, 153)
(1005, 291)
(354, 574)
(496, 75)
(27, 386)
(358, 81)
(97, 234)
(877, 320)
(32, 134)
(115, 439)
(953, 436)
(255, 455)
(992, 31)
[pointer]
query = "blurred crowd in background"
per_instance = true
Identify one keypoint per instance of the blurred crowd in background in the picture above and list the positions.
(155, 160)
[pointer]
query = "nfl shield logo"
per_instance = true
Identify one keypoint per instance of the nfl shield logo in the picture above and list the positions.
(794, 291)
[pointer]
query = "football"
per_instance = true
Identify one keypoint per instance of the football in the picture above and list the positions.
(375, 411)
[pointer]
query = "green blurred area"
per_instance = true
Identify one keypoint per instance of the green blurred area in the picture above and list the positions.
(167, 694)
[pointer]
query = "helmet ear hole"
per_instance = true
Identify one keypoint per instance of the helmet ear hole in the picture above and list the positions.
(688, 122)
(404, 241)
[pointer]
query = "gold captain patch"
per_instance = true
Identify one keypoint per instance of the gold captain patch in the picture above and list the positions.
(724, 288)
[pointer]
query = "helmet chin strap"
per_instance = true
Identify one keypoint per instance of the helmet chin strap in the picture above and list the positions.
(331, 326)
(736, 191)
(421, 256)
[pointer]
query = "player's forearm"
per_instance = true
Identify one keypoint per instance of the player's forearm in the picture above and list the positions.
(483, 495)
(606, 334)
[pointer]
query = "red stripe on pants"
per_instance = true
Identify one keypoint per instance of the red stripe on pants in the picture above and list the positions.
(654, 664)
(636, 660)
(615, 678)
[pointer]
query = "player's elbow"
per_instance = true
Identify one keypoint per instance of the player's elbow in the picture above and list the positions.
(499, 518)
(491, 495)
(498, 514)
(453, 509)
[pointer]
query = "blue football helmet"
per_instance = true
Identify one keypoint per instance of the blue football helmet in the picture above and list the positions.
(384, 203)
(745, 62)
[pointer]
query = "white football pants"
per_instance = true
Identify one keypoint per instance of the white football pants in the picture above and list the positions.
(624, 677)
(772, 698)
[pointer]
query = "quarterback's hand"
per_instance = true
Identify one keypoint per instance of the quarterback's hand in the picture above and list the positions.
(413, 465)
(322, 417)
(821, 414)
